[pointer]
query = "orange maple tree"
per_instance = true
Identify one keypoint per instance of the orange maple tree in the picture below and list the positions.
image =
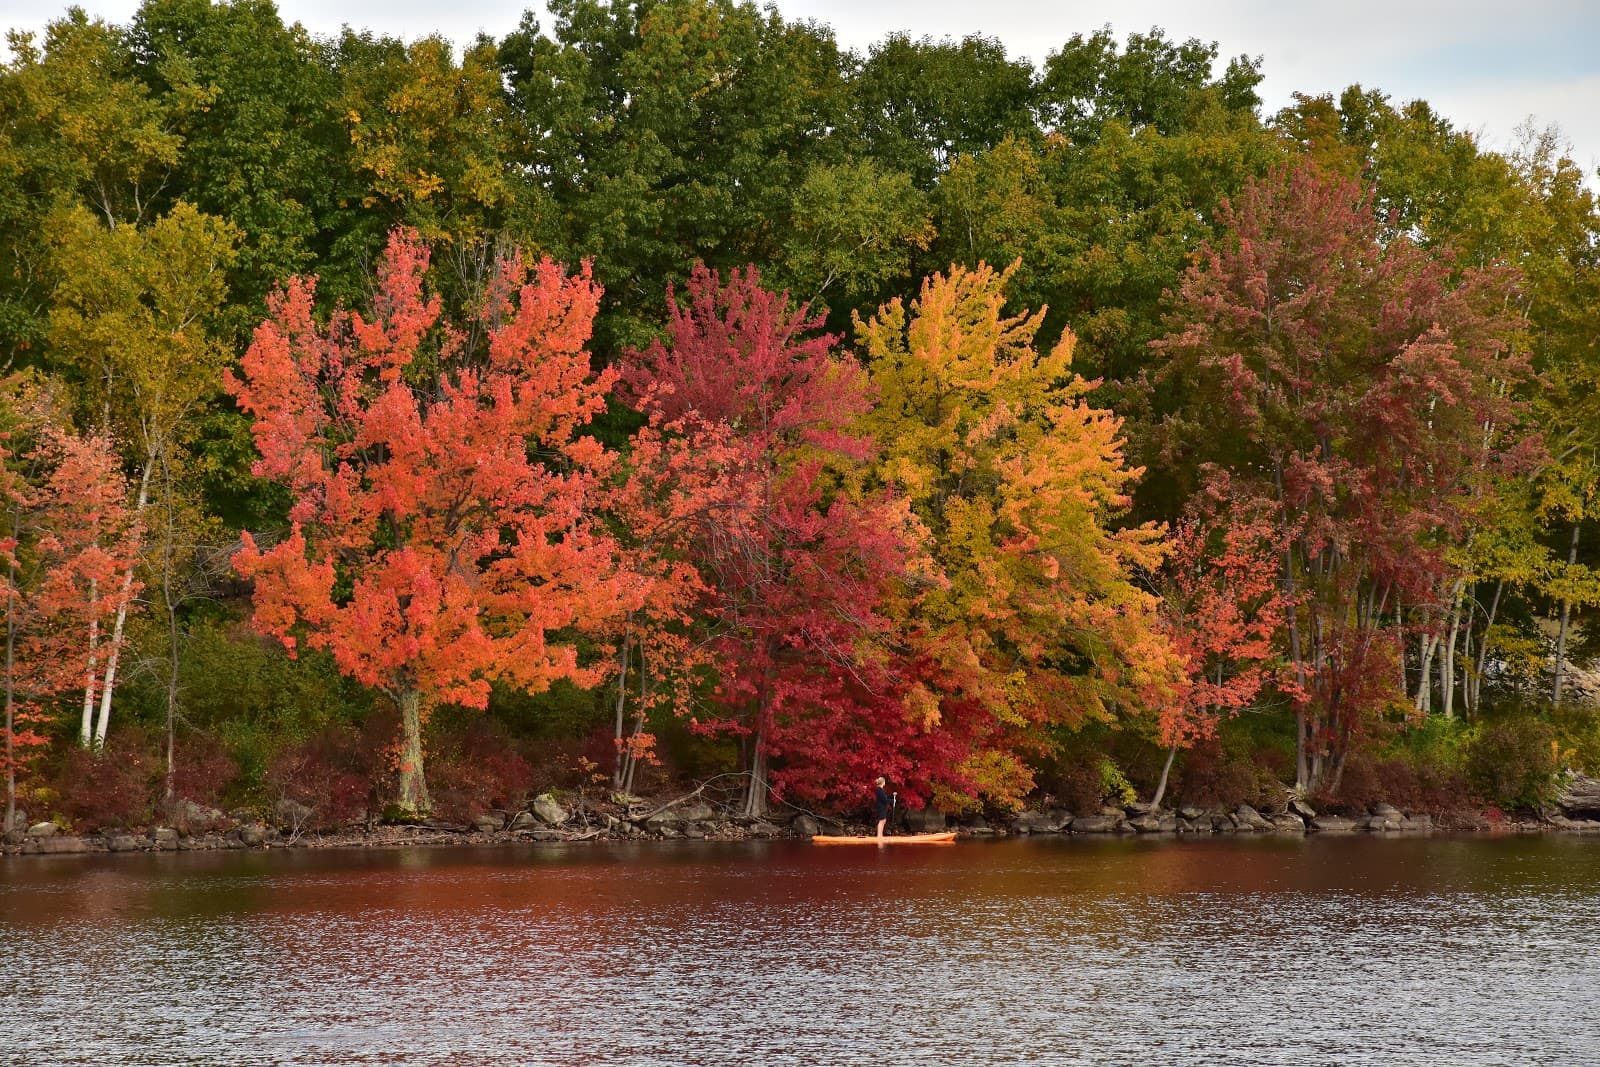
(68, 534)
(443, 489)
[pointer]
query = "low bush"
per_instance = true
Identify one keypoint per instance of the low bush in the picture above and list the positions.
(114, 788)
(203, 770)
(475, 767)
(1207, 776)
(326, 782)
(1512, 762)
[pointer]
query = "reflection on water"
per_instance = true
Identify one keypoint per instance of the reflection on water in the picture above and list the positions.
(1323, 951)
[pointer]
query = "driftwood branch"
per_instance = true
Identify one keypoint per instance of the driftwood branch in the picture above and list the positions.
(700, 789)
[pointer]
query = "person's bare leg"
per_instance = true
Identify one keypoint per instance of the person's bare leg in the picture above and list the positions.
(880, 828)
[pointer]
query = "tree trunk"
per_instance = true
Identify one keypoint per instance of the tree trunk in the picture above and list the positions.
(1301, 770)
(170, 600)
(114, 653)
(413, 787)
(1161, 786)
(1447, 662)
(1483, 647)
(1566, 618)
(638, 725)
(619, 768)
(1400, 643)
(11, 692)
(86, 731)
(1424, 701)
(755, 804)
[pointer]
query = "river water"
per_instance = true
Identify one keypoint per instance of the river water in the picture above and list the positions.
(1443, 952)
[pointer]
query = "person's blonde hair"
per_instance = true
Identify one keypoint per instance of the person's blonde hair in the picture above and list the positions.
(878, 781)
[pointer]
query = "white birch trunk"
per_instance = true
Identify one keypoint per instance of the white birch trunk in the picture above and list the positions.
(114, 653)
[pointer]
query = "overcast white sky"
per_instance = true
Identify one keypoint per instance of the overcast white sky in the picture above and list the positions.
(1486, 65)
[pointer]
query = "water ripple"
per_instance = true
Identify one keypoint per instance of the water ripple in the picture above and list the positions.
(1255, 953)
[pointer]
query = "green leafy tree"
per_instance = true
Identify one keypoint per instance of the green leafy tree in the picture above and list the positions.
(133, 322)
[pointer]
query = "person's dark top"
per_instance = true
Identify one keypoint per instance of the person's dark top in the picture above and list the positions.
(880, 803)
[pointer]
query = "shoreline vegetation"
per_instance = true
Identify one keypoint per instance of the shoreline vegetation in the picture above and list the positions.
(546, 821)
(392, 432)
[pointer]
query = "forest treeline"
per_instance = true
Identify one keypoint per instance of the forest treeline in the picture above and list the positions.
(667, 392)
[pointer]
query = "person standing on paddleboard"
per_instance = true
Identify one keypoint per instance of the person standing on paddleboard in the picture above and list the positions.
(880, 805)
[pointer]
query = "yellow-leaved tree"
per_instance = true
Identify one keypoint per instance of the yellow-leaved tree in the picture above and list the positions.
(1039, 616)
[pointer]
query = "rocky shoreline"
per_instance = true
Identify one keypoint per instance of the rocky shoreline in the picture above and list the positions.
(546, 820)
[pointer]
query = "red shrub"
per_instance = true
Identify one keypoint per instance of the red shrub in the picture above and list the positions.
(325, 782)
(474, 768)
(202, 770)
(114, 788)
(1206, 777)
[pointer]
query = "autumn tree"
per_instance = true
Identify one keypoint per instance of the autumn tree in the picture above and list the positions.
(1021, 482)
(1365, 385)
(796, 576)
(441, 527)
(1225, 607)
(684, 480)
(68, 538)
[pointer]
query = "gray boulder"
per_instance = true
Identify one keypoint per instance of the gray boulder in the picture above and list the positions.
(252, 835)
(1038, 822)
(1147, 823)
(489, 822)
(1191, 813)
(62, 845)
(929, 820)
(1580, 797)
(124, 843)
(1333, 824)
(165, 838)
(188, 813)
(547, 811)
(1302, 809)
(1288, 823)
(695, 811)
(1095, 824)
(42, 829)
(806, 826)
(1248, 818)
(523, 820)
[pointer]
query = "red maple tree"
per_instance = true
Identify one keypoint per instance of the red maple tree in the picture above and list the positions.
(794, 578)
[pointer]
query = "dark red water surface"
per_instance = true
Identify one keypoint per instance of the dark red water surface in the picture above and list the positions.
(1435, 951)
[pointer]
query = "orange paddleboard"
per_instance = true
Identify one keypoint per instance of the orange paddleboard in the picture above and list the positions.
(911, 839)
